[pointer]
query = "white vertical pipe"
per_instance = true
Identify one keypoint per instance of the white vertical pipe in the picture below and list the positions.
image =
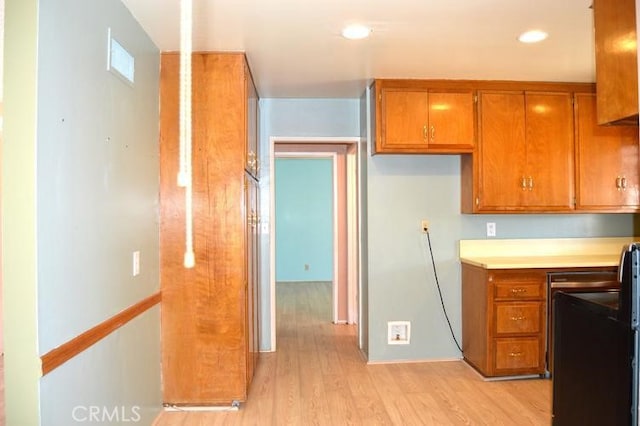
(185, 174)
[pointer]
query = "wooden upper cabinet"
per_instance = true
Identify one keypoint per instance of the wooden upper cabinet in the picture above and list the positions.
(607, 161)
(616, 61)
(404, 120)
(550, 159)
(451, 123)
(525, 153)
(501, 151)
(423, 120)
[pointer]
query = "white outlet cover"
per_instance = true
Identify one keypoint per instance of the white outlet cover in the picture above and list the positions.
(491, 229)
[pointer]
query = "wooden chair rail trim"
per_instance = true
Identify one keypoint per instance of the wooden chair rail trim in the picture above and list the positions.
(58, 356)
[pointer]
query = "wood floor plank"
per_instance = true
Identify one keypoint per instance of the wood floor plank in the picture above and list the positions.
(318, 376)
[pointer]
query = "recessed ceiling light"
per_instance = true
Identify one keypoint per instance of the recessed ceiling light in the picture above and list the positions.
(532, 36)
(356, 32)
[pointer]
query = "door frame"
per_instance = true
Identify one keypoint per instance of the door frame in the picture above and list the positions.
(303, 155)
(353, 287)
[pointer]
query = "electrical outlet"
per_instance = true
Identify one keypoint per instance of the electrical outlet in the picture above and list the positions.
(398, 332)
(306, 266)
(491, 229)
(424, 226)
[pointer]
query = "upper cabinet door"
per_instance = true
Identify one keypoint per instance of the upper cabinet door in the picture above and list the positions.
(525, 152)
(404, 120)
(616, 61)
(451, 121)
(549, 135)
(606, 162)
(502, 150)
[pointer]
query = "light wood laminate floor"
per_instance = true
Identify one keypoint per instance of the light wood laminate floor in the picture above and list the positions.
(319, 377)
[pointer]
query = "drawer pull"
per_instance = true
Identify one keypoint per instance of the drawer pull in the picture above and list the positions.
(518, 290)
(515, 354)
(518, 318)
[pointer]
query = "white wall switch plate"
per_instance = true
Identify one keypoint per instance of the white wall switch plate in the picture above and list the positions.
(136, 263)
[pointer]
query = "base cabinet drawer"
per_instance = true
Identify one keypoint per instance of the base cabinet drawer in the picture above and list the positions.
(518, 354)
(519, 290)
(514, 318)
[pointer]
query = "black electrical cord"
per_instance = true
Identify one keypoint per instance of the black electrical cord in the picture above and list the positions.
(444, 309)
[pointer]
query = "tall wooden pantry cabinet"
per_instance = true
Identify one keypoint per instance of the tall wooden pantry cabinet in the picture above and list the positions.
(210, 312)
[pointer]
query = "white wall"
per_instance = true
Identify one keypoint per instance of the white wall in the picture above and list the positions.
(91, 144)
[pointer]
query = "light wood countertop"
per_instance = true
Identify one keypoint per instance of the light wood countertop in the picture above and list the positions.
(544, 253)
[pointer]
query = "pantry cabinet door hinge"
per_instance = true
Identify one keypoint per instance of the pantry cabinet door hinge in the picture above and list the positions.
(475, 99)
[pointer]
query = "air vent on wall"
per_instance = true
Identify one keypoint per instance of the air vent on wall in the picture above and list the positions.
(119, 61)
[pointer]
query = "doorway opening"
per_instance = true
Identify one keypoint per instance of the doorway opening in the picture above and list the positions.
(341, 155)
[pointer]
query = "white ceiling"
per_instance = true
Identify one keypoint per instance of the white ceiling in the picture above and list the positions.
(295, 49)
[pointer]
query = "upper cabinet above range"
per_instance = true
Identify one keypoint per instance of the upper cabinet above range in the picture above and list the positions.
(616, 61)
(418, 118)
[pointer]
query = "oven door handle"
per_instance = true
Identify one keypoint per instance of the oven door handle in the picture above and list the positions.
(583, 284)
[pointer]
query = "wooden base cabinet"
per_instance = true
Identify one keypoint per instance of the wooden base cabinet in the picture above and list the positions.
(503, 322)
(607, 162)
(210, 312)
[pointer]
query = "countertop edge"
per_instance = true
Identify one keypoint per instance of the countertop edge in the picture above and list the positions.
(542, 262)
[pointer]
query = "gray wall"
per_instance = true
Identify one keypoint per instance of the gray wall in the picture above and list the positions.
(96, 202)
(400, 191)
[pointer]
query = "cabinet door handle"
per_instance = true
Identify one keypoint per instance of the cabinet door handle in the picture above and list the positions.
(433, 133)
(530, 183)
(618, 183)
(518, 318)
(623, 183)
(518, 290)
(251, 161)
(523, 183)
(515, 354)
(424, 133)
